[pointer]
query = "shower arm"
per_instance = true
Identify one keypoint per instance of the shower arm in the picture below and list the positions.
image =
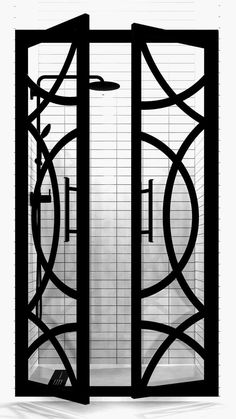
(96, 77)
(33, 93)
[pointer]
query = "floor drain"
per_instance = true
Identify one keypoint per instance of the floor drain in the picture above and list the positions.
(58, 378)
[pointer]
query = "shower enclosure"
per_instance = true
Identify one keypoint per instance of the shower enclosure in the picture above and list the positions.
(116, 212)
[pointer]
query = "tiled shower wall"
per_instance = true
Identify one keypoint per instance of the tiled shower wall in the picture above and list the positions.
(111, 203)
(110, 207)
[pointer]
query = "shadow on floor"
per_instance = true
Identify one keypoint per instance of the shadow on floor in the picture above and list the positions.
(126, 409)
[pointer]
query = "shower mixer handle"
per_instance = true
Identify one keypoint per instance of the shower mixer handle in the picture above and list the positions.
(149, 190)
(40, 198)
(68, 188)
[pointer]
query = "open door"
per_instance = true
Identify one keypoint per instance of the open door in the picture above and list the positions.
(52, 211)
(174, 212)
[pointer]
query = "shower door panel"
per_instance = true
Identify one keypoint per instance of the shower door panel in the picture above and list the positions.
(52, 313)
(174, 212)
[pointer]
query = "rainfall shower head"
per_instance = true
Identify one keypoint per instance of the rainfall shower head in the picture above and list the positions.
(102, 85)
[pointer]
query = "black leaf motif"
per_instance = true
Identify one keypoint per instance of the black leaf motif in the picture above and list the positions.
(46, 131)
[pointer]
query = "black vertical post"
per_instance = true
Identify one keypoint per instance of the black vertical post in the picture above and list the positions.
(38, 165)
(136, 367)
(21, 216)
(82, 207)
(150, 210)
(211, 212)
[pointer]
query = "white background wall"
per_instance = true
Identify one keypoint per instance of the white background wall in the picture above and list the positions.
(206, 16)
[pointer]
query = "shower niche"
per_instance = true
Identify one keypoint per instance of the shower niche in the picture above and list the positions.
(116, 212)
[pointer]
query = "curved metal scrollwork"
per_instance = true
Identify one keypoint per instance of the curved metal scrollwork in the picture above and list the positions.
(48, 335)
(48, 165)
(173, 97)
(50, 95)
(177, 167)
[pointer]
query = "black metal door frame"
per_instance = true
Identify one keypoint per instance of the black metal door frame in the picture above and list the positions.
(75, 32)
(206, 39)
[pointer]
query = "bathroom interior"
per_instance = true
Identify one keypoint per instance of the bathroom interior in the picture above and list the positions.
(110, 215)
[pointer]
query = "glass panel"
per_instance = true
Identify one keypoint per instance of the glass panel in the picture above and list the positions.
(172, 335)
(110, 218)
(52, 268)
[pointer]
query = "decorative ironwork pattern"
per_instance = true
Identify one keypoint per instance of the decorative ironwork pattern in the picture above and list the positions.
(77, 33)
(177, 167)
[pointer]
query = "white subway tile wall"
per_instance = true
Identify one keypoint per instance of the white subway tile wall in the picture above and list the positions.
(110, 207)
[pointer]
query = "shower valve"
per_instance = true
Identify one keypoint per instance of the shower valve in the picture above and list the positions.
(40, 198)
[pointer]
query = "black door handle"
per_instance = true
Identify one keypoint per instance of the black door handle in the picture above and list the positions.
(68, 188)
(149, 190)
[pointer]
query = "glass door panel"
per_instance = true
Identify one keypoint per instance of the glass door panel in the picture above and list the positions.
(58, 161)
(169, 305)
